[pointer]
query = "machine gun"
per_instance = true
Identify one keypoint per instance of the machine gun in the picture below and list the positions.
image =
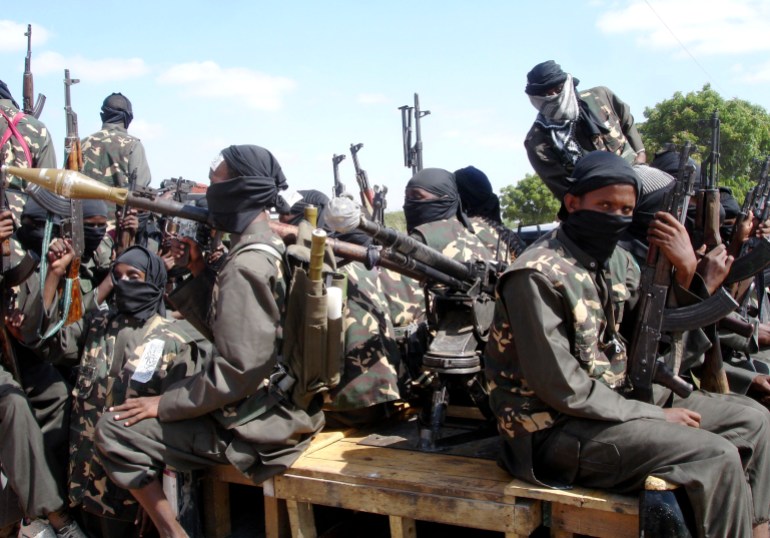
(29, 86)
(339, 188)
(410, 122)
(644, 366)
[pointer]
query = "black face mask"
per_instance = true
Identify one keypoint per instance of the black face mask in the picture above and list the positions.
(596, 233)
(31, 236)
(137, 298)
(92, 237)
(419, 212)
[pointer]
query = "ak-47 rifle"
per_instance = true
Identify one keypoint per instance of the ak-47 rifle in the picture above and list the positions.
(410, 120)
(339, 188)
(72, 228)
(644, 366)
(6, 343)
(29, 87)
(125, 237)
(367, 194)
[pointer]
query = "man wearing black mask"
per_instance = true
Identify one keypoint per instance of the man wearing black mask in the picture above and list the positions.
(557, 369)
(111, 155)
(570, 124)
(237, 409)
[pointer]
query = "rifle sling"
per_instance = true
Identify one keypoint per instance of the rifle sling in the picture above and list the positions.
(707, 312)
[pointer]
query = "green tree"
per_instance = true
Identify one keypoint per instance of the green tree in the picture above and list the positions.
(528, 202)
(396, 219)
(745, 133)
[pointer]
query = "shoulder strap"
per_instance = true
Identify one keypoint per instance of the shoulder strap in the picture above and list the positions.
(12, 130)
(262, 247)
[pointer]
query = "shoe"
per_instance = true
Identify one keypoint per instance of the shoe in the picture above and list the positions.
(71, 530)
(37, 529)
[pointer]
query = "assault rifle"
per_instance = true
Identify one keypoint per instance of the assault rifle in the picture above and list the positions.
(367, 194)
(644, 366)
(410, 121)
(339, 188)
(6, 343)
(29, 86)
(125, 237)
(72, 228)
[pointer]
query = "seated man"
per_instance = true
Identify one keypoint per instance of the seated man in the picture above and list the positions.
(557, 369)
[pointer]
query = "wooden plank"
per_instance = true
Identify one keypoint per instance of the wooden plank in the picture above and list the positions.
(602, 524)
(276, 518)
(229, 474)
(301, 519)
(521, 517)
(580, 497)
(402, 527)
(216, 499)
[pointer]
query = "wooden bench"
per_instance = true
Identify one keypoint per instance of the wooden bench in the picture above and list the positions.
(409, 486)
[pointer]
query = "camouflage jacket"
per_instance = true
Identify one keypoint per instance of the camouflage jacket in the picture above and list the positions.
(405, 297)
(112, 155)
(372, 359)
(41, 148)
(622, 137)
(244, 318)
(119, 358)
(561, 340)
(452, 239)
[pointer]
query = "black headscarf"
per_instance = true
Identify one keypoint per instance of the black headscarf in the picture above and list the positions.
(117, 109)
(544, 76)
(93, 233)
(441, 183)
(476, 194)
(5, 93)
(33, 219)
(309, 197)
(141, 299)
(256, 181)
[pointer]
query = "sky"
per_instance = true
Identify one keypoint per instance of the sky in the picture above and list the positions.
(306, 79)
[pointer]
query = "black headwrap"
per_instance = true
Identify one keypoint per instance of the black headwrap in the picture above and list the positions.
(141, 299)
(668, 161)
(117, 109)
(93, 233)
(730, 205)
(599, 169)
(441, 183)
(476, 194)
(257, 180)
(30, 234)
(544, 76)
(5, 93)
(309, 197)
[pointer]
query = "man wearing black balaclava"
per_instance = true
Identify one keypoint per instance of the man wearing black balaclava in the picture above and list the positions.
(558, 369)
(111, 155)
(128, 350)
(221, 402)
(570, 124)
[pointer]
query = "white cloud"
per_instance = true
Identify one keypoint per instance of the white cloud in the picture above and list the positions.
(705, 28)
(207, 79)
(12, 36)
(104, 70)
(147, 130)
(373, 99)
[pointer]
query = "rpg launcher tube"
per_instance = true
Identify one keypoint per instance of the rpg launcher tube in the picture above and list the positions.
(317, 247)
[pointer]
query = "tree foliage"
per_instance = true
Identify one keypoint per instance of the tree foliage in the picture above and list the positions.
(745, 133)
(528, 202)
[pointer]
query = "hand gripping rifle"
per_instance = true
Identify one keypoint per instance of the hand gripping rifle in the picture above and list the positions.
(125, 237)
(644, 366)
(339, 188)
(29, 86)
(72, 228)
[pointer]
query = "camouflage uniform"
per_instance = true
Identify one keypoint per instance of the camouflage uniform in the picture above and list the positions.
(372, 359)
(111, 155)
(452, 239)
(118, 359)
(216, 416)
(41, 148)
(622, 139)
(557, 390)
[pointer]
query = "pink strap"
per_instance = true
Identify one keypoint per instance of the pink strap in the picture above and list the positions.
(12, 130)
